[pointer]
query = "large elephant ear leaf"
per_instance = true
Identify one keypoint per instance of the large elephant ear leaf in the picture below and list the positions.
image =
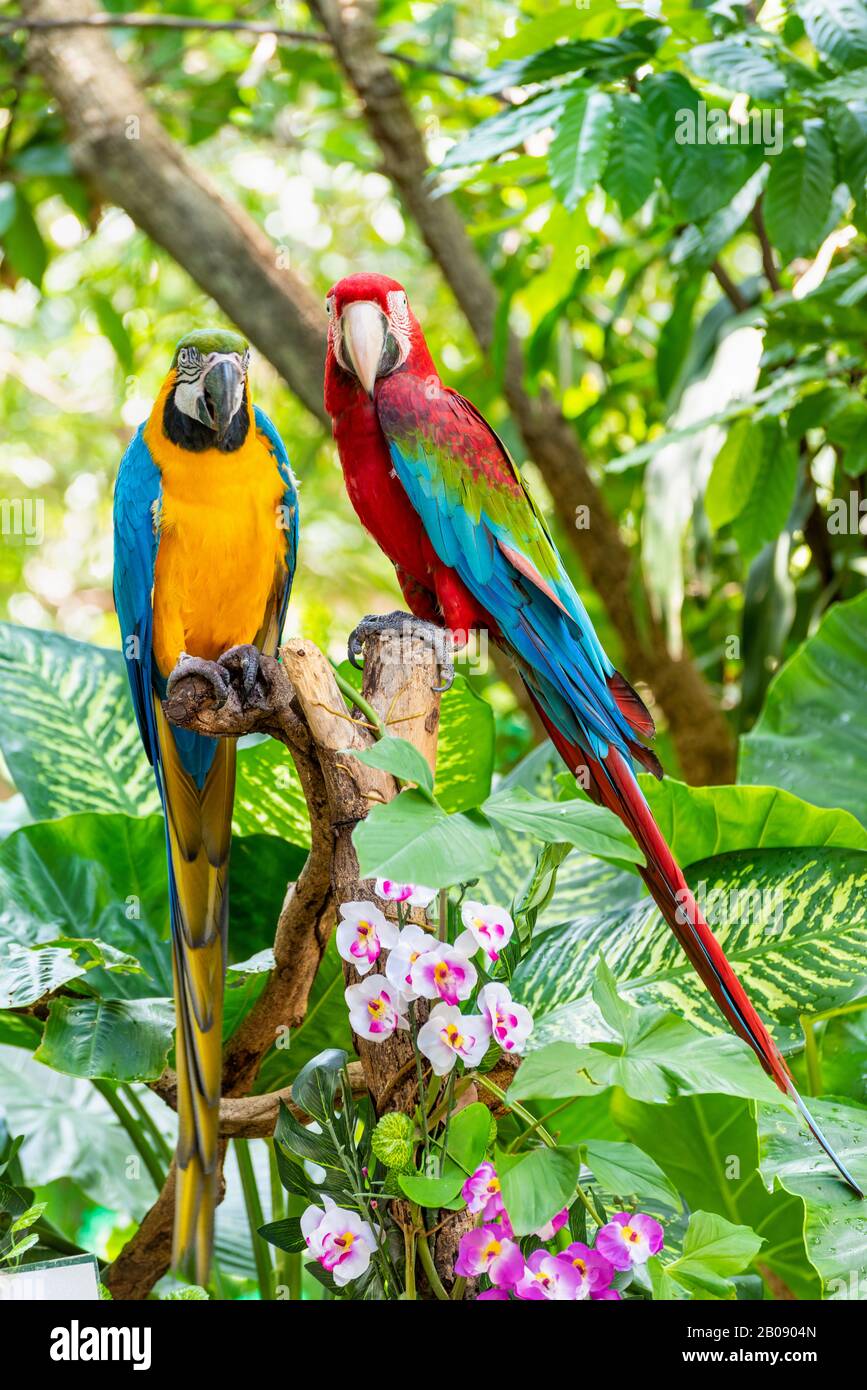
(810, 737)
(67, 733)
(792, 922)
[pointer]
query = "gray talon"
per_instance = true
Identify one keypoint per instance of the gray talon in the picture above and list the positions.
(244, 659)
(208, 670)
(405, 625)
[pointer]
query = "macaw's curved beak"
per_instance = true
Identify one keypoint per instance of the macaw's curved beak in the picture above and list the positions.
(364, 327)
(223, 391)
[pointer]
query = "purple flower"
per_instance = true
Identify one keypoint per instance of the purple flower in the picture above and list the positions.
(443, 973)
(511, 1024)
(339, 1240)
(449, 1034)
(593, 1268)
(413, 894)
(412, 943)
(610, 1294)
(376, 1008)
(493, 1296)
(552, 1278)
(629, 1240)
(487, 1251)
(362, 933)
(481, 1192)
(490, 927)
(550, 1228)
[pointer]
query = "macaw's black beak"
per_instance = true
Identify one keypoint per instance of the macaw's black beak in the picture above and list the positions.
(224, 389)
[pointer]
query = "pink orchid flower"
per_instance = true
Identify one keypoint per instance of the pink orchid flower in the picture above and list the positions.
(339, 1240)
(376, 1008)
(449, 1035)
(490, 927)
(550, 1228)
(443, 973)
(412, 894)
(592, 1267)
(487, 1251)
(362, 933)
(481, 1192)
(551, 1278)
(629, 1240)
(412, 943)
(511, 1024)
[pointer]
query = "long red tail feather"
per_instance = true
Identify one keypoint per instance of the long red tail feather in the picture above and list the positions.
(612, 784)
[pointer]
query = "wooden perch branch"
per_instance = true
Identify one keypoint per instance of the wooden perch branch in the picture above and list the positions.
(298, 702)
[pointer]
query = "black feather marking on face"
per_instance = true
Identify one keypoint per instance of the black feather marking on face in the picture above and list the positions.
(191, 434)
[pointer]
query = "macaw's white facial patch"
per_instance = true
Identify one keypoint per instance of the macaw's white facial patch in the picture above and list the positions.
(190, 388)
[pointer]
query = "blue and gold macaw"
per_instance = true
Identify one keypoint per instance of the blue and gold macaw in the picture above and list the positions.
(205, 541)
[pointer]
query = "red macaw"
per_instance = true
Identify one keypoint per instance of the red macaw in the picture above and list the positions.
(440, 495)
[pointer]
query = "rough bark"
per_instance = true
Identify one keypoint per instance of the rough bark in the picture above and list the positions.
(701, 734)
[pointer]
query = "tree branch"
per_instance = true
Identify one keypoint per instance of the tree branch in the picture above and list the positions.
(186, 23)
(119, 147)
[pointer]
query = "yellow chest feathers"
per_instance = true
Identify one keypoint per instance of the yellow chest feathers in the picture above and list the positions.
(221, 545)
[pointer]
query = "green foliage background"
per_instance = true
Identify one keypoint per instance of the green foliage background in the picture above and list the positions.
(698, 310)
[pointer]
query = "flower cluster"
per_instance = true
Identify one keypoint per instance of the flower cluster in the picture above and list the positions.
(420, 966)
(573, 1273)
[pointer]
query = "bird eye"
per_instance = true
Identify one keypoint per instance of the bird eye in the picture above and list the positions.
(328, 307)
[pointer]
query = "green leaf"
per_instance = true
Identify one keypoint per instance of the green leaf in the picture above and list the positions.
(836, 1220)
(809, 738)
(315, 1085)
(752, 484)
(325, 1024)
(413, 840)
(708, 1147)
(401, 758)
(112, 326)
(701, 245)
(700, 176)
(713, 1250)
(615, 55)
(268, 794)
(23, 245)
(701, 822)
(7, 206)
(469, 1132)
(740, 64)
(798, 196)
(579, 151)
(536, 1185)
(115, 1039)
(508, 128)
(285, 1234)
(625, 1171)
(576, 822)
(630, 170)
(28, 973)
(792, 922)
(465, 748)
(434, 1192)
(67, 732)
(838, 29)
(70, 1133)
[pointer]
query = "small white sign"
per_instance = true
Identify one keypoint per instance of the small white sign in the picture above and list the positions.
(74, 1278)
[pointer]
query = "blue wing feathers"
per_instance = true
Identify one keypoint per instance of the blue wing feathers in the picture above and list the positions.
(560, 654)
